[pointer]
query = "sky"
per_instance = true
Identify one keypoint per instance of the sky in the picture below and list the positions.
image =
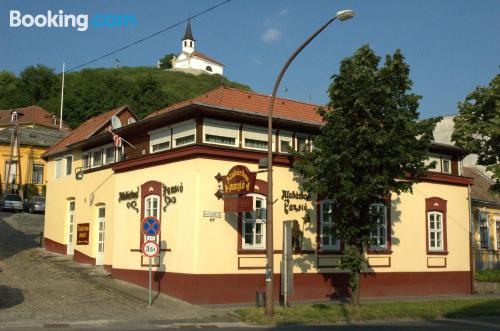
(451, 46)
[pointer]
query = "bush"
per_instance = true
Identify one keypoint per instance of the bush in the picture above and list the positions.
(29, 190)
(488, 275)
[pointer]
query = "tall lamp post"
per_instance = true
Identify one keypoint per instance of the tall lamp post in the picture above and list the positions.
(342, 15)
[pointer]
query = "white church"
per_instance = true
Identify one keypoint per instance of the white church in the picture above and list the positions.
(193, 61)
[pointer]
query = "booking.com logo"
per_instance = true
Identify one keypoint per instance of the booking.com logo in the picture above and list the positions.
(61, 20)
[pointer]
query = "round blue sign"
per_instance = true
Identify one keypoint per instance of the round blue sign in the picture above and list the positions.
(150, 226)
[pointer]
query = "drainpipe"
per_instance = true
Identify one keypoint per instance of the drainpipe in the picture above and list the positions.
(471, 241)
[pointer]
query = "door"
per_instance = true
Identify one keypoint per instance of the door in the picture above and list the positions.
(71, 223)
(101, 227)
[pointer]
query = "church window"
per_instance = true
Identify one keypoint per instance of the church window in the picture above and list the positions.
(190, 44)
(208, 68)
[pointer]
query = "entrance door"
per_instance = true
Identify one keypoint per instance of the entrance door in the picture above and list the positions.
(100, 235)
(71, 221)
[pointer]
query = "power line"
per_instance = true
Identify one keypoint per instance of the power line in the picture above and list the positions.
(150, 36)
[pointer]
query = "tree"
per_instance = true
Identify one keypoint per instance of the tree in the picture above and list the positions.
(477, 127)
(10, 92)
(166, 61)
(38, 83)
(371, 145)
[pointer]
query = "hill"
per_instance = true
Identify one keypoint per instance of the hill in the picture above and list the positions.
(90, 92)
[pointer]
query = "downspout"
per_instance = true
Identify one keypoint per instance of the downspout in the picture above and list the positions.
(471, 241)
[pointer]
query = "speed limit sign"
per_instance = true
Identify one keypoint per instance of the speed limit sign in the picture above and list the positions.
(150, 248)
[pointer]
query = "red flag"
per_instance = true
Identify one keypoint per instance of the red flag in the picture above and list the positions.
(116, 139)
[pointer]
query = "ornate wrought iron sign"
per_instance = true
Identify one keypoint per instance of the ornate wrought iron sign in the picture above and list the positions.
(130, 195)
(286, 196)
(168, 192)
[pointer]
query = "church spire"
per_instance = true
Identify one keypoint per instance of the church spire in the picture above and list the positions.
(188, 35)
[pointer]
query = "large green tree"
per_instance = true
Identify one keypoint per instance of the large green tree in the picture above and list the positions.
(38, 83)
(371, 145)
(166, 61)
(477, 127)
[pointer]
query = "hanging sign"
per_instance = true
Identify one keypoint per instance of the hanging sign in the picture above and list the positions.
(239, 180)
(238, 205)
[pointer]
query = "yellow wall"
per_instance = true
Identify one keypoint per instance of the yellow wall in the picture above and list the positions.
(199, 245)
(29, 155)
(486, 258)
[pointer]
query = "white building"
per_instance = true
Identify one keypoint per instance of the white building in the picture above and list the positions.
(194, 61)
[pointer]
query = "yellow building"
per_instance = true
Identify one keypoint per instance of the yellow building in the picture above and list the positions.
(211, 256)
(485, 221)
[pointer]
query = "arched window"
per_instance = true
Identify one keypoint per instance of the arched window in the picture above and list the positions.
(208, 68)
(190, 44)
(14, 117)
(253, 230)
(53, 120)
(152, 205)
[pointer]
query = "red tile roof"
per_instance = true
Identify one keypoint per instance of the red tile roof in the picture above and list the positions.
(479, 189)
(230, 98)
(206, 57)
(84, 131)
(29, 115)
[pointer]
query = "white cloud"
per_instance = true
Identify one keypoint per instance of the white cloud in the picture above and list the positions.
(271, 35)
(283, 12)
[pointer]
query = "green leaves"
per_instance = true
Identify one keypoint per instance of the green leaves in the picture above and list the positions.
(477, 127)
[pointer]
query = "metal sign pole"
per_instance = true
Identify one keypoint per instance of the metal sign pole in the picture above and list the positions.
(149, 298)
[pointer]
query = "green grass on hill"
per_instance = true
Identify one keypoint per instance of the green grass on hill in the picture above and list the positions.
(332, 313)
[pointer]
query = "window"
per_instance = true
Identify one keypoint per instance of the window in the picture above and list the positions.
(302, 142)
(253, 225)
(208, 68)
(97, 158)
(435, 232)
(53, 120)
(328, 241)
(446, 166)
(484, 235)
(69, 165)
(37, 176)
(220, 133)
(379, 234)
(13, 117)
(152, 206)
(58, 166)
(256, 138)
(285, 139)
(159, 140)
(497, 233)
(130, 120)
(160, 147)
(109, 156)
(10, 172)
(85, 161)
(184, 133)
(437, 166)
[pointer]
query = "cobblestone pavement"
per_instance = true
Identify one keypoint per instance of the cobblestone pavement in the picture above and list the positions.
(37, 287)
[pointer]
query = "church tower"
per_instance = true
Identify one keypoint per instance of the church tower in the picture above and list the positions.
(188, 40)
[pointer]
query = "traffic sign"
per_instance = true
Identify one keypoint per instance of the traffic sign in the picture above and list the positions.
(150, 226)
(150, 248)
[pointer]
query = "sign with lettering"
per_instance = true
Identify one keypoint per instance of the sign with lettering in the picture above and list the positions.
(82, 233)
(238, 204)
(239, 180)
(130, 195)
(150, 248)
(289, 206)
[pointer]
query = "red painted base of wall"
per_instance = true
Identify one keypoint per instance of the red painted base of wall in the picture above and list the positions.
(241, 288)
(54, 246)
(82, 258)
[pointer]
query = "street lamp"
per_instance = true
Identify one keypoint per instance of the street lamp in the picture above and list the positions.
(342, 15)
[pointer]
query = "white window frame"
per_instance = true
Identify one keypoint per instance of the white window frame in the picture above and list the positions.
(285, 136)
(89, 160)
(13, 117)
(53, 120)
(104, 154)
(91, 152)
(221, 129)
(380, 226)
(254, 219)
(160, 136)
(497, 232)
(436, 231)
(257, 133)
(37, 165)
(66, 165)
(183, 130)
(437, 158)
(303, 136)
(332, 245)
(58, 167)
(484, 216)
(448, 159)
